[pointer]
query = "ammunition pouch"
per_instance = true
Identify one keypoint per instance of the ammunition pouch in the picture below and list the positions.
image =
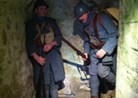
(107, 60)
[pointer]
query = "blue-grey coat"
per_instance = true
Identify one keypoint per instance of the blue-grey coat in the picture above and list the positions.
(107, 34)
(53, 57)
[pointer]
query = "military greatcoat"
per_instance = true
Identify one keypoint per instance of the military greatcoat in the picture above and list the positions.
(54, 61)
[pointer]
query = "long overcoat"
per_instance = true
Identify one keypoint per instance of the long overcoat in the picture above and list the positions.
(54, 61)
(108, 34)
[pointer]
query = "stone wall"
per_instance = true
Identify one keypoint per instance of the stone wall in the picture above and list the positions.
(15, 69)
(127, 69)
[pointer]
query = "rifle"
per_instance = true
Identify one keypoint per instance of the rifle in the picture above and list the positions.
(104, 11)
(39, 85)
(78, 51)
(41, 80)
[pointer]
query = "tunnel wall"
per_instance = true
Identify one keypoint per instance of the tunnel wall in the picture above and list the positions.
(127, 68)
(15, 69)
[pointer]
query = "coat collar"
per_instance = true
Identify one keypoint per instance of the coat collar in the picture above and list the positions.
(90, 15)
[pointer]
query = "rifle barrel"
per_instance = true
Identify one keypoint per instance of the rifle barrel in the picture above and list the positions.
(77, 51)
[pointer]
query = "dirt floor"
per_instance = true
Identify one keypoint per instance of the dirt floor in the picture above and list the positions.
(86, 94)
(105, 88)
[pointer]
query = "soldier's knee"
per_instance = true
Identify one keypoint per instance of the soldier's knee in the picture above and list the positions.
(102, 73)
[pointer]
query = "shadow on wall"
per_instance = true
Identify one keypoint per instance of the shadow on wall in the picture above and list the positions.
(78, 29)
(80, 68)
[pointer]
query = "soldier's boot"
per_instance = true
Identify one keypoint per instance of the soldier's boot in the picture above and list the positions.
(113, 94)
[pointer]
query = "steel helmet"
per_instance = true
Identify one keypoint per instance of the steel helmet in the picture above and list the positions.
(80, 9)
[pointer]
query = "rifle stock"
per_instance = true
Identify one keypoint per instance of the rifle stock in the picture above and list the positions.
(75, 49)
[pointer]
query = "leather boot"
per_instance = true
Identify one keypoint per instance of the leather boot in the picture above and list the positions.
(113, 94)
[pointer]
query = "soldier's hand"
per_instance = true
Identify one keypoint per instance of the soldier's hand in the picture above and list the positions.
(39, 59)
(100, 53)
(47, 47)
(86, 57)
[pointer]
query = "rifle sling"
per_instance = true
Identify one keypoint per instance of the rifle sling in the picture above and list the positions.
(39, 29)
(99, 21)
(91, 21)
(95, 42)
(52, 26)
(94, 21)
(95, 28)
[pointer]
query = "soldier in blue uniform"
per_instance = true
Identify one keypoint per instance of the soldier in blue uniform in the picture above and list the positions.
(107, 42)
(43, 47)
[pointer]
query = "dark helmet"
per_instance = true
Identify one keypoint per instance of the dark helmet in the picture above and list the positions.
(80, 9)
(40, 3)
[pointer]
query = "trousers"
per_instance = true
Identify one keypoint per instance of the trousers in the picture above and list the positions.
(97, 69)
(52, 88)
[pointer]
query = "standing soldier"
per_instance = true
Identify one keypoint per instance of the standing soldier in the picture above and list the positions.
(99, 43)
(43, 47)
